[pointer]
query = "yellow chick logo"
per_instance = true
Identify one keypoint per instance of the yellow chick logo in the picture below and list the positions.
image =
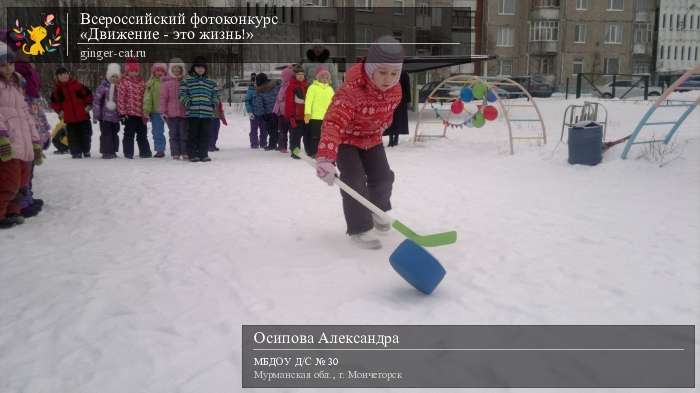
(36, 34)
(31, 40)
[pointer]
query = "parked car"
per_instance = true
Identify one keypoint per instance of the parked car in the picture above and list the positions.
(626, 89)
(509, 91)
(536, 85)
(692, 83)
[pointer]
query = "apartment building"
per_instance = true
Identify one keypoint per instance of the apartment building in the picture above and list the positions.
(678, 36)
(559, 38)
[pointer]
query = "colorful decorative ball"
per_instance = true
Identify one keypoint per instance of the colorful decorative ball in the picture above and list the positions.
(479, 120)
(491, 96)
(490, 113)
(466, 94)
(457, 107)
(479, 90)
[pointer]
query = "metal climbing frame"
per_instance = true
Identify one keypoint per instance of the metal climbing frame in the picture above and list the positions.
(586, 112)
(664, 102)
(505, 104)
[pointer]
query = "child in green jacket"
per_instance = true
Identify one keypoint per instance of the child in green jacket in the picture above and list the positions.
(318, 98)
(151, 108)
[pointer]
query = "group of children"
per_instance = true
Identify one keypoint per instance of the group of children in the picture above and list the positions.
(294, 107)
(341, 129)
(188, 103)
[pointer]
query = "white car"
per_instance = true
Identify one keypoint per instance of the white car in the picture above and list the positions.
(627, 89)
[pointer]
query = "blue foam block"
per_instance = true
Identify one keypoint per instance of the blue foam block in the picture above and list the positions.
(417, 266)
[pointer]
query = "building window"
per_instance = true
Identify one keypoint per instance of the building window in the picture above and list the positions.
(398, 7)
(663, 22)
(505, 67)
(643, 33)
(661, 53)
(696, 53)
(613, 34)
(616, 5)
(317, 3)
(544, 30)
(363, 5)
(582, 5)
(542, 65)
(612, 65)
(668, 52)
(506, 7)
(580, 34)
(640, 68)
(546, 3)
(578, 66)
(675, 53)
(364, 38)
(505, 37)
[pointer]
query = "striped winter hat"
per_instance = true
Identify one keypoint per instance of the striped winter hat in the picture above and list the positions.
(385, 52)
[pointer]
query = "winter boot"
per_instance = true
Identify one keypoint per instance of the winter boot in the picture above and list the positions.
(366, 240)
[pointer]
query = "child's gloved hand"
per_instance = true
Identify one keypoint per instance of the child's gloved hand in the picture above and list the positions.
(38, 154)
(88, 108)
(122, 120)
(252, 116)
(325, 170)
(307, 118)
(5, 149)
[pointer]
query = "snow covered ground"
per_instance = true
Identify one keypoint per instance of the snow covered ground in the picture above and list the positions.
(138, 274)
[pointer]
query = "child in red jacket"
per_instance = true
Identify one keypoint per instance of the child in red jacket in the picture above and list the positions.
(72, 101)
(294, 108)
(351, 137)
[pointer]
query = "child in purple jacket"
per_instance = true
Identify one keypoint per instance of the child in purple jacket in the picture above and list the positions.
(104, 110)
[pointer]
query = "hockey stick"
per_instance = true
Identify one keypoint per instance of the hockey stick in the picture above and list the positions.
(432, 240)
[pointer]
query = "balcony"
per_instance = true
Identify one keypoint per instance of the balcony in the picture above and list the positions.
(545, 9)
(643, 16)
(543, 47)
(642, 49)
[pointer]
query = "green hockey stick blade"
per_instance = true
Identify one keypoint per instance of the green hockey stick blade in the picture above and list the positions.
(432, 240)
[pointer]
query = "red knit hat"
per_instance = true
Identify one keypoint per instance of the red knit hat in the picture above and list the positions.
(132, 65)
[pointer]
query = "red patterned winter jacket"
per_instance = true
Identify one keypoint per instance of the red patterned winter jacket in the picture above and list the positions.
(130, 96)
(358, 115)
(71, 98)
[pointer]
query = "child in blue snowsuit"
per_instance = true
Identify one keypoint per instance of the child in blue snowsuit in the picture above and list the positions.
(263, 103)
(254, 123)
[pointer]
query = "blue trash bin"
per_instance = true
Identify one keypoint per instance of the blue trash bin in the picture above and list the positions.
(586, 143)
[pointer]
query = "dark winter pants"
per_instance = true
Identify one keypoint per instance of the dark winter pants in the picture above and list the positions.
(134, 127)
(14, 174)
(313, 137)
(299, 132)
(283, 129)
(27, 196)
(254, 127)
(393, 139)
(79, 137)
(198, 136)
(274, 132)
(56, 140)
(367, 172)
(214, 133)
(109, 137)
(177, 127)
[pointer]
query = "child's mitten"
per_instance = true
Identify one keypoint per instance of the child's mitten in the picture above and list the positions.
(38, 154)
(5, 148)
